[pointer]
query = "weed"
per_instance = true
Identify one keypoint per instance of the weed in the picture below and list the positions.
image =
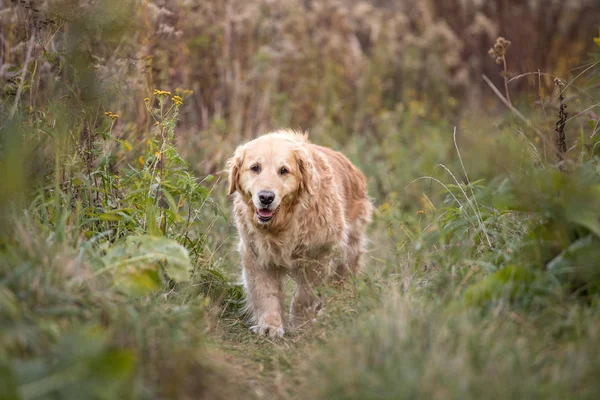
(117, 257)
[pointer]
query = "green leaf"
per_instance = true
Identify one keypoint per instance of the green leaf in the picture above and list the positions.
(579, 261)
(584, 210)
(139, 282)
(136, 262)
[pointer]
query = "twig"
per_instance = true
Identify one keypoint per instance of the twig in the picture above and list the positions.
(543, 108)
(505, 76)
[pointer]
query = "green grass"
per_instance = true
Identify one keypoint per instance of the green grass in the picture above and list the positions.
(118, 268)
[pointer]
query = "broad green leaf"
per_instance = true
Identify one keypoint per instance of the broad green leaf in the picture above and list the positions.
(139, 282)
(584, 210)
(580, 261)
(136, 262)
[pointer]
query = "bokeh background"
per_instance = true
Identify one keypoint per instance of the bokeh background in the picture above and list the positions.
(118, 271)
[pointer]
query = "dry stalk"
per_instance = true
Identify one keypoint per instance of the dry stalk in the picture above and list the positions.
(498, 53)
(561, 141)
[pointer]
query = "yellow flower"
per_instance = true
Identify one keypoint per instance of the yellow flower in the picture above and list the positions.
(146, 99)
(158, 155)
(420, 212)
(141, 161)
(184, 92)
(127, 146)
(177, 100)
(161, 93)
(597, 40)
(111, 115)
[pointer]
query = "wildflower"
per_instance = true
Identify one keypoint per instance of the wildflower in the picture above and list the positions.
(177, 100)
(127, 146)
(146, 99)
(498, 51)
(597, 39)
(161, 93)
(111, 115)
(141, 160)
(184, 92)
(420, 212)
(158, 155)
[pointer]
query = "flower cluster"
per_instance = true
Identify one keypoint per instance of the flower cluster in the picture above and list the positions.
(184, 92)
(177, 100)
(498, 51)
(111, 115)
(161, 93)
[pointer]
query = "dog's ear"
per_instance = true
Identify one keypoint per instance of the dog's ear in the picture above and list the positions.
(307, 169)
(234, 164)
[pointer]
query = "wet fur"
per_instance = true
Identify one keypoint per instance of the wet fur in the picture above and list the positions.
(317, 233)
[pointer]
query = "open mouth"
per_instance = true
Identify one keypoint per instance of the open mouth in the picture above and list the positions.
(265, 214)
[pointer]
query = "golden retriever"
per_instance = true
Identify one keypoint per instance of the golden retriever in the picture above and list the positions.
(300, 210)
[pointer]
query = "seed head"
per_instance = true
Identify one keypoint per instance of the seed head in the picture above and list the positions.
(498, 51)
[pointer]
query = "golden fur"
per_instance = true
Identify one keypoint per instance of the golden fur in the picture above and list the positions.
(316, 229)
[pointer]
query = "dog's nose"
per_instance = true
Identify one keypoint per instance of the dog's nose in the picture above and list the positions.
(266, 197)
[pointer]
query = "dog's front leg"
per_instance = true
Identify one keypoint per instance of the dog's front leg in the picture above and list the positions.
(264, 295)
(306, 304)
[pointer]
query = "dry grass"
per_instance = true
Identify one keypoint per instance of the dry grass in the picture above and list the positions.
(481, 278)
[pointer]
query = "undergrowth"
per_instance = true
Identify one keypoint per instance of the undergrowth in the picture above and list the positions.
(118, 273)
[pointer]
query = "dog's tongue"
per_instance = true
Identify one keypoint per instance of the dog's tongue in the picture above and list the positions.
(265, 212)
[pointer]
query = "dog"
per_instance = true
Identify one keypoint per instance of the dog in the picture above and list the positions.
(300, 210)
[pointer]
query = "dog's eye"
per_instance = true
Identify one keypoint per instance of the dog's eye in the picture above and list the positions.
(255, 168)
(283, 171)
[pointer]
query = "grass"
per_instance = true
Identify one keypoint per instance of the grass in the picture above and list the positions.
(118, 269)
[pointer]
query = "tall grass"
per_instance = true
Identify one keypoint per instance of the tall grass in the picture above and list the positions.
(117, 261)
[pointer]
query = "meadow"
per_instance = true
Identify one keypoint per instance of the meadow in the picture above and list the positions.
(476, 125)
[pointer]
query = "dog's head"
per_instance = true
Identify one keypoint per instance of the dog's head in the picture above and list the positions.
(271, 173)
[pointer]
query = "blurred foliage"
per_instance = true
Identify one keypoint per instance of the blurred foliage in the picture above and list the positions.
(115, 258)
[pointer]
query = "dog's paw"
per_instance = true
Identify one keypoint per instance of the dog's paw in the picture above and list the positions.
(268, 330)
(269, 326)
